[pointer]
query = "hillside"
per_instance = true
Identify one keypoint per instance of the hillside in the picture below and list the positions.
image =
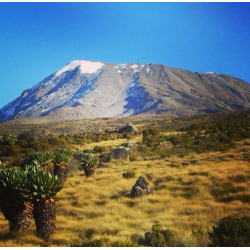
(84, 89)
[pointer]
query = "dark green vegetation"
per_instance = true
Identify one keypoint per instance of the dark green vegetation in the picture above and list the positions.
(158, 237)
(231, 231)
(14, 201)
(197, 137)
(218, 132)
(129, 174)
(30, 191)
(89, 163)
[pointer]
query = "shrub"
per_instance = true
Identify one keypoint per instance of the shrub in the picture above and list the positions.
(99, 149)
(129, 174)
(158, 237)
(231, 231)
(132, 157)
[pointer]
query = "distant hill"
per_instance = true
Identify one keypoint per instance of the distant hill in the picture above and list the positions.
(85, 89)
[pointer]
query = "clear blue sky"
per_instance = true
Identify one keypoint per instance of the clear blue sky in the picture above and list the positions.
(36, 39)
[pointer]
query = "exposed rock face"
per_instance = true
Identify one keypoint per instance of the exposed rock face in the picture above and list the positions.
(84, 89)
(140, 188)
(120, 153)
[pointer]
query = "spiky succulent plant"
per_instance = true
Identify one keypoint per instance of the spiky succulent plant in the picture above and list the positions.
(61, 162)
(14, 199)
(12, 186)
(89, 159)
(89, 163)
(1, 165)
(42, 185)
(41, 159)
(44, 192)
(62, 157)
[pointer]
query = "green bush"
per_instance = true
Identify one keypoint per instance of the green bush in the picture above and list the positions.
(231, 231)
(99, 149)
(133, 157)
(158, 237)
(129, 174)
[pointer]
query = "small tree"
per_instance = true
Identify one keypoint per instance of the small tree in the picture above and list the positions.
(89, 163)
(43, 191)
(61, 162)
(231, 231)
(13, 199)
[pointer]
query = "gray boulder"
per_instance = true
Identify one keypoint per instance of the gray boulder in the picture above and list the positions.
(132, 146)
(140, 188)
(120, 153)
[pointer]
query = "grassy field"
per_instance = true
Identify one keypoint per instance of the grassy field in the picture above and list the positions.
(191, 194)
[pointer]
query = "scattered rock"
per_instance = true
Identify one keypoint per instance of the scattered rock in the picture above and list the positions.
(120, 153)
(140, 188)
(132, 146)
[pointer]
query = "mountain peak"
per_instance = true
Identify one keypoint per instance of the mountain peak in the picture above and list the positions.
(86, 67)
(86, 89)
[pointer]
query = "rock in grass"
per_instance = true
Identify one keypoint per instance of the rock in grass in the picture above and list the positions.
(140, 188)
(120, 153)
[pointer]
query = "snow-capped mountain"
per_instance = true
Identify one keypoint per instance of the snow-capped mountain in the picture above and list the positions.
(85, 89)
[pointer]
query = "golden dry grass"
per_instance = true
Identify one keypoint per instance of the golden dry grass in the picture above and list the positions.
(97, 207)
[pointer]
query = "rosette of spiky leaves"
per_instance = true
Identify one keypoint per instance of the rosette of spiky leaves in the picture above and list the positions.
(44, 192)
(12, 186)
(62, 156)
(61, 161)
(42, 185)
(1, 166)
(41, 159)
(89, 163)
(13, 199)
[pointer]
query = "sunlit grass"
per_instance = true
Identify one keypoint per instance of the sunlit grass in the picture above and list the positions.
(182, 200)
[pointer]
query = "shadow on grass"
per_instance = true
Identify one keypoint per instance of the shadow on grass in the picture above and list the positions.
(7, 236)
(245, 198)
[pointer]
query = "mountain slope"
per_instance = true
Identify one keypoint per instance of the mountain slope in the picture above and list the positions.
(84, 89)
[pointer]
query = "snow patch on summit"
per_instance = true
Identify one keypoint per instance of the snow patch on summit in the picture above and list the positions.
(86, 67)
(135, 66)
